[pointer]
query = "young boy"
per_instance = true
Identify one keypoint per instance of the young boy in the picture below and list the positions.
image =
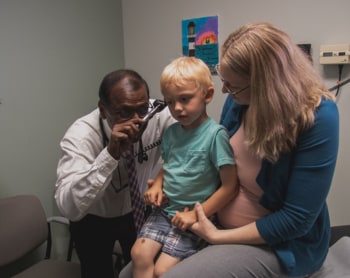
(198, 167)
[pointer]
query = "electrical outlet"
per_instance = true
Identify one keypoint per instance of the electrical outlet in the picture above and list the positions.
(335, 54)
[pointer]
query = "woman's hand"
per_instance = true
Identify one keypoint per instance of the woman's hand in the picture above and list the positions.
(203, 227)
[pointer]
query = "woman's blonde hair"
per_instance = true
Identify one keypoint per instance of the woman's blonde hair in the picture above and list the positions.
(183, 70)
(285, 89)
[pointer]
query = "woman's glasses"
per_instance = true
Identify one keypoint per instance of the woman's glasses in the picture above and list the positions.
(227, 85)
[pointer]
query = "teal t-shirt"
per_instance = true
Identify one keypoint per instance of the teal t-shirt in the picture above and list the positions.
(192, 159)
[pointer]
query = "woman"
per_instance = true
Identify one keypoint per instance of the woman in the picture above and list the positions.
(283, 125)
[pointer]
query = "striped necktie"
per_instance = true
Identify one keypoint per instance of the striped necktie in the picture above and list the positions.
(137, 203)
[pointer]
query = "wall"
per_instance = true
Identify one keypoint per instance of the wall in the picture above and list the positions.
(53, 55)
(152, 38)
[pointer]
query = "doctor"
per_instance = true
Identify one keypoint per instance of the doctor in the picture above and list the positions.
(92, 187)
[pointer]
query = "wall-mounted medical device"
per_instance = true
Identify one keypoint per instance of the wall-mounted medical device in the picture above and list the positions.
(335, 54)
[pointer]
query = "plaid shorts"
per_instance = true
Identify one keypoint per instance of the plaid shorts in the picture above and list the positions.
(176, 243)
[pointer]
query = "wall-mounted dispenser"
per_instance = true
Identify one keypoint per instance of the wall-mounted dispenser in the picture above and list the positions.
(335, 54)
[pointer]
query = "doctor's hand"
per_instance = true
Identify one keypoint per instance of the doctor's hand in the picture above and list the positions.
(123, 135)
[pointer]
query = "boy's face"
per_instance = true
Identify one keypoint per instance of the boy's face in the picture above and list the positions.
(188, 104)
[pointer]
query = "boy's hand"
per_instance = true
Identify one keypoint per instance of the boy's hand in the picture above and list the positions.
(185, 219)
(165, 200)
(154, 196)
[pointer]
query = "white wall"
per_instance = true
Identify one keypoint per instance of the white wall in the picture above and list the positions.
(53, 56)
(152, 38)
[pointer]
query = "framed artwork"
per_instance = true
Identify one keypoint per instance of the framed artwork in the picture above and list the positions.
(200, 40)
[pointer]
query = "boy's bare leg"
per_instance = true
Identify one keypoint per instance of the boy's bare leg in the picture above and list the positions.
(143, 253)
(164, 263)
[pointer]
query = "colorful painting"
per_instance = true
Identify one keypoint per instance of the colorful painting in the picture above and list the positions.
(200, 39)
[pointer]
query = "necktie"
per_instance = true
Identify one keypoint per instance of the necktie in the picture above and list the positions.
(137, 203)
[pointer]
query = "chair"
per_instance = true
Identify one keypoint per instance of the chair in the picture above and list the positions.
(24, 228)
(338, 232)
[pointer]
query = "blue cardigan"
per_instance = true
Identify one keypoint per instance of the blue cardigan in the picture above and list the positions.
(295, 189)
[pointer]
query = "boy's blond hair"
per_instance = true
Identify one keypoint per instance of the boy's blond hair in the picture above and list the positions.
(183, 70)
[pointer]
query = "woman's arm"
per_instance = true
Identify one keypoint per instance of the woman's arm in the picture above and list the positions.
(307, 183)
(204, 228)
